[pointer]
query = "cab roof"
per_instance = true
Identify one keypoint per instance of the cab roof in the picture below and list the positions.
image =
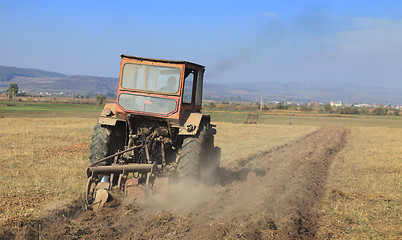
(161, 60)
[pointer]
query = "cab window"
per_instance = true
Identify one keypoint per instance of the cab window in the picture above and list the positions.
(188, 87)
(198, 93)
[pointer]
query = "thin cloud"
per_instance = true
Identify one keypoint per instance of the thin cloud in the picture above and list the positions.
(370, 23)
(369, 36)
(268, 14)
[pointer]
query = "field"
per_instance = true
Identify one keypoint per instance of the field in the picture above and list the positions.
(354, 193)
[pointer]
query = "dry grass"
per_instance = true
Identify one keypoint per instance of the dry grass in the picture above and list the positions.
(241, 140)
(364, 199)
(42, 160)
(45, 158)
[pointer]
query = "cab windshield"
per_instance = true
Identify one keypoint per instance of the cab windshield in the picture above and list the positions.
(150, 78)
(147, 104)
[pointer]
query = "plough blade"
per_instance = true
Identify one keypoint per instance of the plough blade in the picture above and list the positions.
(101, 195)
(131, 187)
(161, 185)
(132, 190)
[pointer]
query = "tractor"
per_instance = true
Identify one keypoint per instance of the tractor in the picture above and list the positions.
(154, 133)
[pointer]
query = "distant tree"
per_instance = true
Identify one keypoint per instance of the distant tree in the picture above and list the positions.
(281, 105)
(212, 105)
(380, 111)
(327, 107)
(339, 110)
(12, 90)
(350, 110)
(363, 110)
(100, 99)
(306, 109)
(396, 112)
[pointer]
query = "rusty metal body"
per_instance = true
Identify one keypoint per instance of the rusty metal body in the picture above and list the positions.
(138, 139)
(185, 109)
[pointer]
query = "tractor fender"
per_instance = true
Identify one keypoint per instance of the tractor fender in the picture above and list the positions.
(192, 124)
(107, 121)
(108, 115)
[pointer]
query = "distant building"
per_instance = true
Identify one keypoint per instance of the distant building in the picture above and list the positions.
(363, 105)
(336, 104)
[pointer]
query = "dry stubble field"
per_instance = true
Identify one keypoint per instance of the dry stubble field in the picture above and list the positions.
(45, 160)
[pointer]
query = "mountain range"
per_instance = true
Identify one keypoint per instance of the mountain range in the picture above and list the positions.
(34, 81)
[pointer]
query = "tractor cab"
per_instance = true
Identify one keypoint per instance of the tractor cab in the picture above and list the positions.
(159, 88)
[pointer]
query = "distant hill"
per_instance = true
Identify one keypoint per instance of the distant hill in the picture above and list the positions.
(319, 92)
(8, 73)
(35, 81)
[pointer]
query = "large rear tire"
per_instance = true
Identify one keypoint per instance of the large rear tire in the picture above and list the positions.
(104, 142)
(189, 159)
(195, 154)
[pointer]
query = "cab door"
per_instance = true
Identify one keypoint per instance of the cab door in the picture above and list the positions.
(192, 91)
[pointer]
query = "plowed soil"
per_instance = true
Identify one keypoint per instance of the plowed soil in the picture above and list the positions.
(271, 195)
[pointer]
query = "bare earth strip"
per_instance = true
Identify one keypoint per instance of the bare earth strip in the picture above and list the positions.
(271, 195)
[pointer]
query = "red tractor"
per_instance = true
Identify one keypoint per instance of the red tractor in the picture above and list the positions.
(154, 132)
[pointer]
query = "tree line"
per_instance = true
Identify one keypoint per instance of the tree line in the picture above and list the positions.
(327, 108)
(13, 91)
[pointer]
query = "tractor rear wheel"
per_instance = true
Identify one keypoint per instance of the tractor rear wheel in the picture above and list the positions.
(104, 142)
(189, 159)
(195, 154)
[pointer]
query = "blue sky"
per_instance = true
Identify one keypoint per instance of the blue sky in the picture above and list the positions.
(321, 41)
